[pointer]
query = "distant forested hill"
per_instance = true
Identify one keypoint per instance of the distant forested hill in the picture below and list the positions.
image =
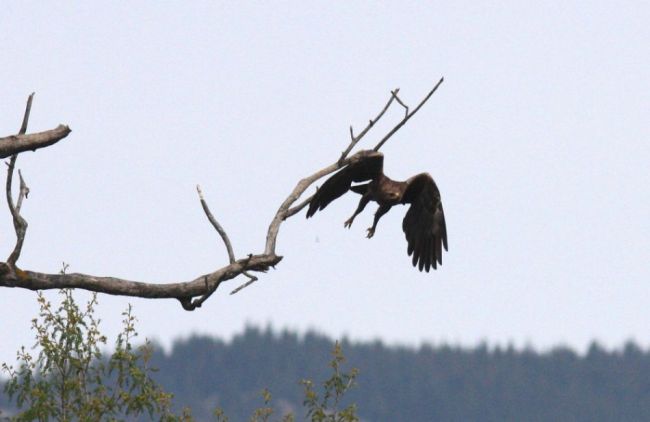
(407, 384)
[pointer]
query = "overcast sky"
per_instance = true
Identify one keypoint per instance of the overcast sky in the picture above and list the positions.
(538, 139)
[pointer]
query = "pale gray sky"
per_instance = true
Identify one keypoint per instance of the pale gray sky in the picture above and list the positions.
(538, 140)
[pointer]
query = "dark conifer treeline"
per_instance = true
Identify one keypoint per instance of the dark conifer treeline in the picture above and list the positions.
(406, 384)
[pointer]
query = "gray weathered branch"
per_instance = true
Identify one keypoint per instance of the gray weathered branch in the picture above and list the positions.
(116, 286)
(16, 144)
(20, 224)
(191, 294)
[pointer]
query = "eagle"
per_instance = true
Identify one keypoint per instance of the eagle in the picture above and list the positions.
(424, 222)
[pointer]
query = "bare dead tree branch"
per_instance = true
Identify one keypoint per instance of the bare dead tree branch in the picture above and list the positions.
(300, 188)
(189, 304)
(16, 144)
(20, 225)
(33, 280)
(191, 294)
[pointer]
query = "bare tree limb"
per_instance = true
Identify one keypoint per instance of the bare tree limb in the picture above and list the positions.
(189, 304)
(116, 286)
(191, 294)
(16, 144)
(20, 225)
(231, 255)
(302, 185)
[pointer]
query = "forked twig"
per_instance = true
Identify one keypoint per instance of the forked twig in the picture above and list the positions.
(406, 108)
(231, 256)
(371, 123)
(408, 115)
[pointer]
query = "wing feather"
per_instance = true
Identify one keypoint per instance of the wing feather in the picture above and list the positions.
(424, 223)
(367, 167)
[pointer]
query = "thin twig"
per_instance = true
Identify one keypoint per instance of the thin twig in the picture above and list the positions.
(252, 280)
(216, 225)
(371, 123)
(408, 116)
(28, 109)
(406, 108)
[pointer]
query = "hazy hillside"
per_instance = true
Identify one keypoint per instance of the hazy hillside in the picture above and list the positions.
(402, 384)
(406, 384)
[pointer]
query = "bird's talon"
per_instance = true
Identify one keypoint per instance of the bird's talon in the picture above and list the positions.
(371, 233)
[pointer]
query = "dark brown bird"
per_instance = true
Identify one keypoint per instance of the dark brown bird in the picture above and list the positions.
(424, 222)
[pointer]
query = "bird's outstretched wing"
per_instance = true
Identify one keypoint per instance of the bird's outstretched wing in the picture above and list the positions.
(424, 223)
(366, 167)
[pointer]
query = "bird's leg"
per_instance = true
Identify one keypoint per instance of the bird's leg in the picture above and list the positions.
(362, 204)
(383, 209)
